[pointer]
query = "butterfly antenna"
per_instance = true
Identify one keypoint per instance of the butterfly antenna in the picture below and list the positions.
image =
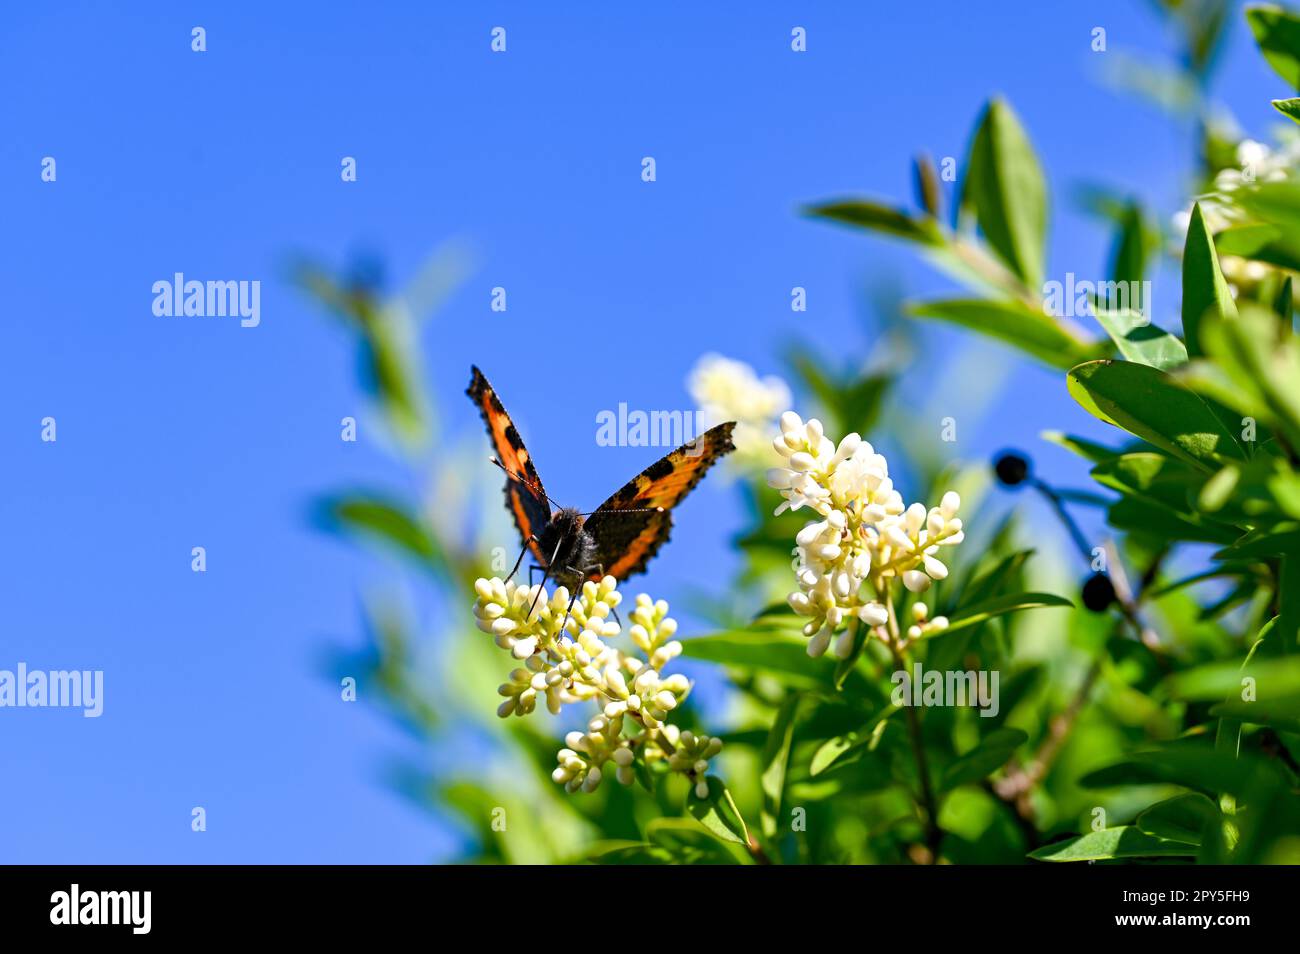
(621, 510)
(511, 473)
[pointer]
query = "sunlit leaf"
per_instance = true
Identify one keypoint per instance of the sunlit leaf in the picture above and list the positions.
(1125, 842)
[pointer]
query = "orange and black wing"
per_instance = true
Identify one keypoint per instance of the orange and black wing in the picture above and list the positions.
(631, 526)
(525, 497)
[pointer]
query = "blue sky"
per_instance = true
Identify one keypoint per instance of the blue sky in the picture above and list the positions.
(176, 432)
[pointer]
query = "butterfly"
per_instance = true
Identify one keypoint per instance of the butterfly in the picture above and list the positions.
(620, 536)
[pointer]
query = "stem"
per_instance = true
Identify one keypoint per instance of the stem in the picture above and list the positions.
(751, 845)
(933, 833)
(1016, 786)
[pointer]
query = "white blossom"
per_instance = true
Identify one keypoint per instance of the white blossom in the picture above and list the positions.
(728, 390)
(568, 658)
(865, 538)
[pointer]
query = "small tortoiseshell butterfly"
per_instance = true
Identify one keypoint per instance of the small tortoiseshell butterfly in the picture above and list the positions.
(622, 534)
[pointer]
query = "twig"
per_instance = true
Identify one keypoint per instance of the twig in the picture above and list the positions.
(933, 833)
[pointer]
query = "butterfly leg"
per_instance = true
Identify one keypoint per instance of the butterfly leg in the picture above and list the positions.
(522, 554)
(600, 568)
(572, 599)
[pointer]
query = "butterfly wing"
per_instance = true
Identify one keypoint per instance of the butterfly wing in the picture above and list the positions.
(525, 497)
(631, 526)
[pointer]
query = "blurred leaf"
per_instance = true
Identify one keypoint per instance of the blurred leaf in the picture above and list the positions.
(1006, 188)
(781, 655)
(1278, 34)
(863, 213)
(1191, 765)
(1262, 360)
(853, 401)
(1136, 242)
(1260, 242)
(1181, 818)
(1000, 606)
(1110, 843)
(1267, 541)
(1280, 714)
(373, 516)
(1012, 322)
(990, 755)
(1088, 450)
(776, 759)
(926, 182)
(1275, 680)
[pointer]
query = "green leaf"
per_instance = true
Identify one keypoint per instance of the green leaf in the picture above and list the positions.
(1013, 322)
(1002, 605)
(778, 654)
(1278, 34)
(1276, 680)
(1281, 714)
(1139, 340)
(853, 401)
(1141, 516)
(991, 754)
(1154, 406)
(1288, 107)
(1272, 202)
(1110, 843)
(845, 667)
(863, 213)
(1204, 288)
(381, 519)
(1218, 489)
(1005, 185)
(1262, 359)
(718, 812)
(1181, 818)
(1268, 541)
(842, 748)
(1261, 242)
(1150, 480)
(1088, 450)
(776, 759)
(1191, 765)
(1137, 240)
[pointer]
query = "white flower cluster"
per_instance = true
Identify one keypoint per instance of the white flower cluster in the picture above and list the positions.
(1256, 163)
(567, 660)
(728, 390)
(866, 535)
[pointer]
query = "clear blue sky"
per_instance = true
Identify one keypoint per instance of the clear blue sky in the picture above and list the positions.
(222, 165)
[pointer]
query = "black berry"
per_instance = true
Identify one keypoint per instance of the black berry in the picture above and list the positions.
(1012, 469)
(1098, 592)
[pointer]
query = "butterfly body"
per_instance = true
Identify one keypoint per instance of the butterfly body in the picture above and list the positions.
(571, 549)
(618, 538)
